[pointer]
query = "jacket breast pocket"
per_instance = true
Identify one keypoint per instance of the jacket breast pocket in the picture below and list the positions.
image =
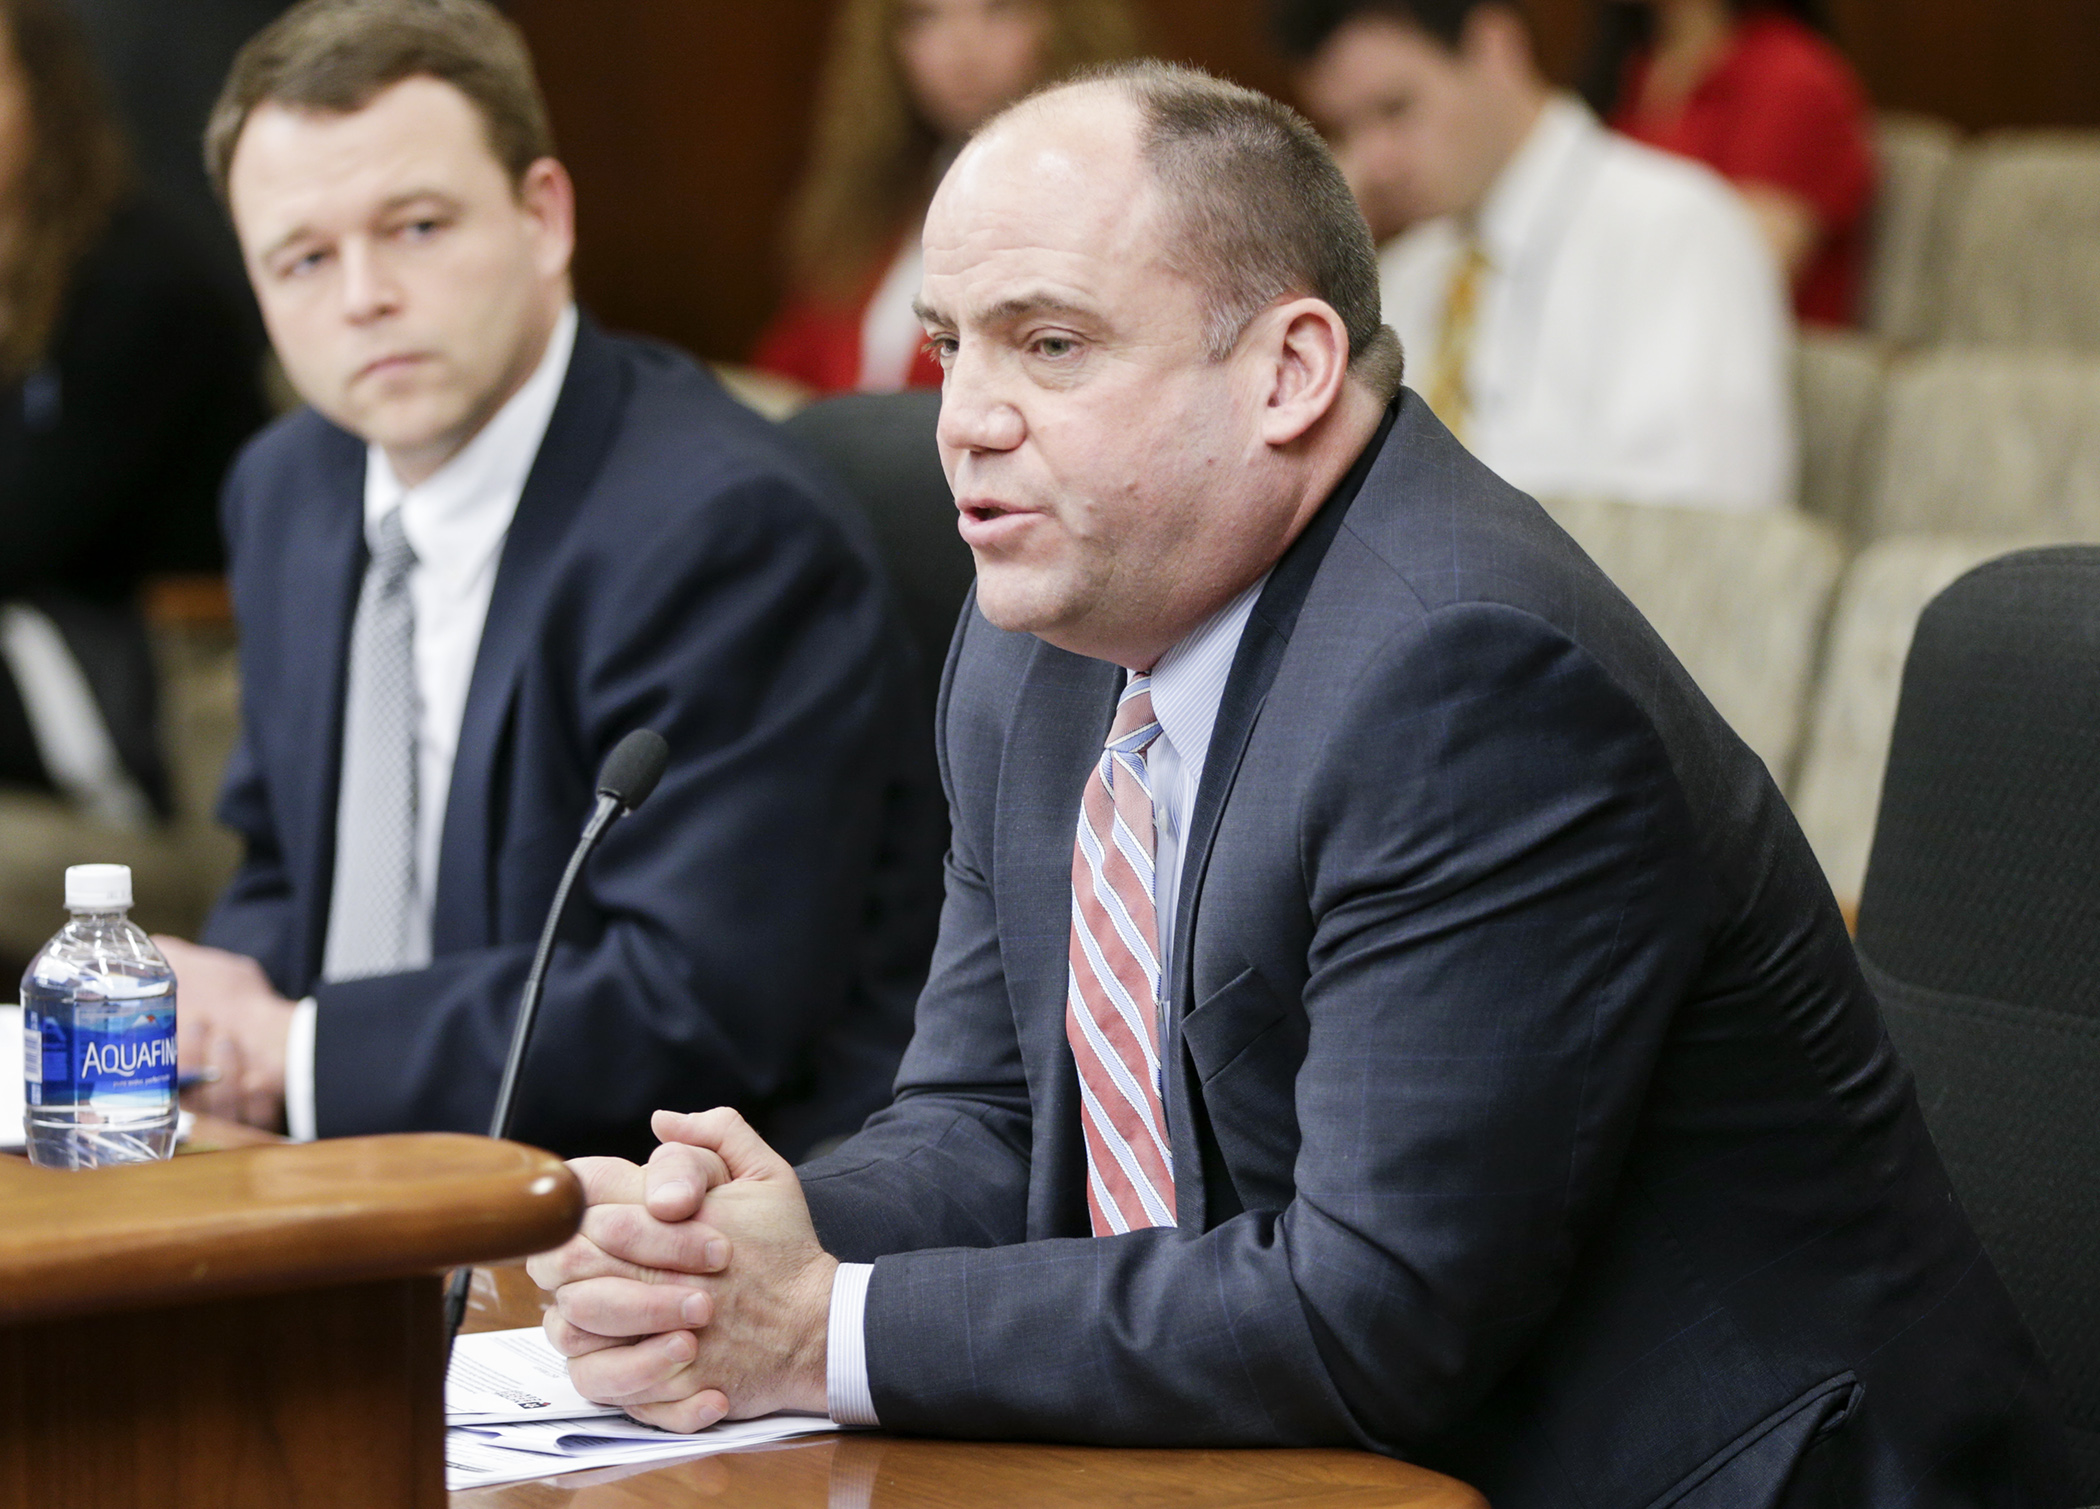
(1246, 1044)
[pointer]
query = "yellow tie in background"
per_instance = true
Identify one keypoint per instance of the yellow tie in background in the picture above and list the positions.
(1447, 393)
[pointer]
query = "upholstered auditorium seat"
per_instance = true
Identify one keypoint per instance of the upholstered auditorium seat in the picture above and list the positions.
(1740, 597)
(1838, 785)
(2022, 253)
(881, 447)
(1917, 160)
(1980, 929)
(1838, 381)
(1989, 442)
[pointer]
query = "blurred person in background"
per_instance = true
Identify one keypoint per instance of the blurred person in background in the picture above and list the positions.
(1756, 91)
(907, 81)
(125, 388)
(1593, 318)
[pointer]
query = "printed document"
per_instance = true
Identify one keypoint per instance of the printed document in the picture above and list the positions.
(511, 1415)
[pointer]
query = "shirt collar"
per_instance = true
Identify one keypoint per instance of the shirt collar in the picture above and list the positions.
(458, 515)
(1531, 182)
(1188, 683)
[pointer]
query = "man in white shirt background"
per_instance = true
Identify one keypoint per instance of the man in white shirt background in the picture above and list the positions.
(1591, 317)
(498, 541)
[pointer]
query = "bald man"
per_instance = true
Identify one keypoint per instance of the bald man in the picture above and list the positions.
(1378, 1002)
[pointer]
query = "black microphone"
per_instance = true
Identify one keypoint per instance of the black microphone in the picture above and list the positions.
(625, 780)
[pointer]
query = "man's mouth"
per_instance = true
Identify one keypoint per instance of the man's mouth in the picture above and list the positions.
(388, 366)
(987, 522)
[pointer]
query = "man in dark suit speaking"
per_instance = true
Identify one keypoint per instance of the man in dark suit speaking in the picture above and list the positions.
(498, 541)
(1378, 1000)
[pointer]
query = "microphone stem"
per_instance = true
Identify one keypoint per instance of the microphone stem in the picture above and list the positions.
(607, 809)
(602, 818)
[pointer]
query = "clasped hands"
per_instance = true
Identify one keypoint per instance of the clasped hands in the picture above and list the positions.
(696, 1290)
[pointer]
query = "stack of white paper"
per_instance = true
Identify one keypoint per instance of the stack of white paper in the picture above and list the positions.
(501, 1376)
(481, 1456)
(512, 1415)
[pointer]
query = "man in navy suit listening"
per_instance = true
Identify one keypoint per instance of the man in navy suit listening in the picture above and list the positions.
(497, 541)
(1378, 1002)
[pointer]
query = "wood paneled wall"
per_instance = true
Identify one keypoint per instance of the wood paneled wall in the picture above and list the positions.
(1979, 63)
(685, 121)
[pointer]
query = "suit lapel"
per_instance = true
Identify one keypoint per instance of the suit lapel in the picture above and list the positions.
(579, 432)
(325, 570)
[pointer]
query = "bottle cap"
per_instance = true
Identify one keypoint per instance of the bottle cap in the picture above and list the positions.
(98, 888)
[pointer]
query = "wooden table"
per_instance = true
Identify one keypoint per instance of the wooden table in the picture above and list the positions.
(868, 1470)
(874, 1471)
(258, 1327)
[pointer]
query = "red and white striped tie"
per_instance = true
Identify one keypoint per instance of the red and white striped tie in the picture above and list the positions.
(1112, 997)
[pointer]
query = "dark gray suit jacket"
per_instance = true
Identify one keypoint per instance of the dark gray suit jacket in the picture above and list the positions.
(1530, 1116)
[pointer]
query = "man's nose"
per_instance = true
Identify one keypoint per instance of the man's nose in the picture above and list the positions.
(370, 290)
(976, 414)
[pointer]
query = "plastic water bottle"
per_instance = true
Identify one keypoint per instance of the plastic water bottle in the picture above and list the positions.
(98, 1034)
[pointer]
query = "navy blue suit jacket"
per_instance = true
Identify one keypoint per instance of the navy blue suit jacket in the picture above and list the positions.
(756, 932)
(1530, 1116)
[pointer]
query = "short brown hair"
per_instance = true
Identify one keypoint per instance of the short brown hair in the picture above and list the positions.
(1259, 209)
(337, 55)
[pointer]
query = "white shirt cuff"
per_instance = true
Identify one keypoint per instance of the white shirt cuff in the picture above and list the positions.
(846, 1354)
(299, 1073)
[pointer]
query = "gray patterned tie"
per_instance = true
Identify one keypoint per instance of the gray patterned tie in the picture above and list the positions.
(372, 928)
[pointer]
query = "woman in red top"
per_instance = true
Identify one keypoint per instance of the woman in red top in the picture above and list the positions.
(905, 83)
(1754, 89)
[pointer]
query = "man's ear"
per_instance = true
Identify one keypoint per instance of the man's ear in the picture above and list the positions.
(1306, 358)
(548, 197)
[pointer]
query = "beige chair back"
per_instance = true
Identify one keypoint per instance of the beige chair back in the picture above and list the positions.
(1739, 597)
(1981, 442)
(1838, 790)
(1838, 380)
(1917, 156)
(2023, 243)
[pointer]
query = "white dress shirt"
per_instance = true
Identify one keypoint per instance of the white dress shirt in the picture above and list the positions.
(1188, 685)
(1633, 337)
(456, 520)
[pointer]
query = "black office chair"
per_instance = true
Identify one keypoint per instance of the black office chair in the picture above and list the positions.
(1980, 929)
(881, 447)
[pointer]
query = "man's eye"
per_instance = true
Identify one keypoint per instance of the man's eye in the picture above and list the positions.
(1055, 346)
(421, 230)
(941, 348)
(301, 266)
